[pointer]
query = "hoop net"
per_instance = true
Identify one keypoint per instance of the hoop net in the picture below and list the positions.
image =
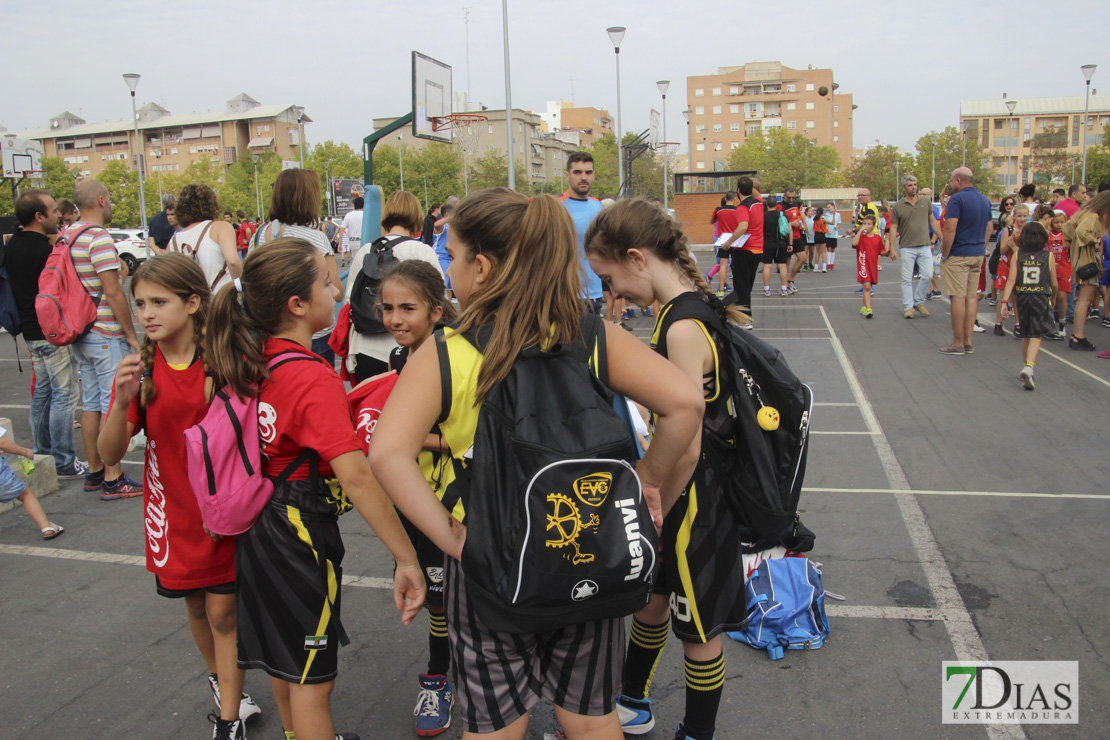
(665, 146)
(465, 126)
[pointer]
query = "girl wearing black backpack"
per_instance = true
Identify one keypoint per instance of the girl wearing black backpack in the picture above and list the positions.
(644, 256)
(504, 248)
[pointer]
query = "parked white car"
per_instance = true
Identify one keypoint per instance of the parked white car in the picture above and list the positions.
(131, 245)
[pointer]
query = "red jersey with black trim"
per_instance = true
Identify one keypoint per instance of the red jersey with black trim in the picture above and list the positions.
(367, 401)
(727, 220)
(178, 550)
(751, 210)
(303, 405)
(1059, 250)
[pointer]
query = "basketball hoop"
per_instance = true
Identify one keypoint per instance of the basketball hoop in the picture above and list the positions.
(666, 145)
(465, 128)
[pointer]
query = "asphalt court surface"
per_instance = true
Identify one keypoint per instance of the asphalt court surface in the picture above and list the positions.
(959, 516)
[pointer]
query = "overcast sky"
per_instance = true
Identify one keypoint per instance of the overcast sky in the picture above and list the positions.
(908, 64)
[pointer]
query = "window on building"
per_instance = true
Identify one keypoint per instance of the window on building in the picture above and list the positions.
(811, 124)
(836, 124)
(836, 139)
(734, 108)
(791, 88)
(734, 90)
(836, 109)
(734, 145)
(1076, 127)
(754, 107)
(773, 87)
(716, 110)
(753, 130)
(998, 123)
(791, 106)
(791, 125)
(716, 127)
(700, 147)
(701, 165)
(810, 105)
(699, 93)
(809, 87)
(734, 126)
(716, 91)
(699, 110)
(700, 128)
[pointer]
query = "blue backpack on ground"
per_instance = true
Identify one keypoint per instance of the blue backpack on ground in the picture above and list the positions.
(786, 607)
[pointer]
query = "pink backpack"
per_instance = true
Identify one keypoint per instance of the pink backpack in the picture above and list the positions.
(65, 311)
(224, 454)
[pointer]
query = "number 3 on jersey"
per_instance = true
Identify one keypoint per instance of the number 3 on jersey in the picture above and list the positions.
(1030, 274)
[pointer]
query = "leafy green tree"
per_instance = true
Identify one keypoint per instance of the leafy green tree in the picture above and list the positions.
(880, 170)
(58, 178)
(951, 152)
(492, 171)
(786, 160)
(1098, 164)
(123, 187)
(334, 160)
(1048, 161)
(437, 167)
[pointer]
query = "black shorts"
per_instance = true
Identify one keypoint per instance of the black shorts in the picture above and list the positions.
(799, 246)
(830, 243)
(818, 237)
(1034, 313)
(289, 573)
(431, 562)
(605, 287)
(704, 577)
(173, 593)
(776, 255)
(723, 254)
(500, 676)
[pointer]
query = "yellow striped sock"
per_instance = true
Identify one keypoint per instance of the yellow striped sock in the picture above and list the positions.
(708, 676)
(437, 625)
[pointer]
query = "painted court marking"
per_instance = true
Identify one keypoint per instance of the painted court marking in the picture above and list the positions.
(386, 584)
(998, 494)
(957, 620)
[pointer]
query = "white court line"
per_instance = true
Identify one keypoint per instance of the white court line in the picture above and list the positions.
(834, 403)
(13, 406)
(385, 584)
(869, 434)
(1074, 366)
(998, 494)
(965, 638)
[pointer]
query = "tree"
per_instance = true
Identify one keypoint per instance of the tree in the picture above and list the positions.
(57, 178)
(878, 170)
(1098, 164)
(437, 167)
(492, 171)
(950, 155)
(786, 160)
(123, 188)
(1048, 161)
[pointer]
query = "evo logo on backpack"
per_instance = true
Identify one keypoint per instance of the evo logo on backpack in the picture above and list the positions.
(558, 531)
(65, 310)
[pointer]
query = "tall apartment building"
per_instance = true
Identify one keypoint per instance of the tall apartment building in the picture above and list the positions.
(589, 123)
(738, 102)
(1009, 136)
(172, 142)
(543, 154)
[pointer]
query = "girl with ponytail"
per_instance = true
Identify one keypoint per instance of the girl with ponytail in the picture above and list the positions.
(163, 391)
(516, 274)
(288, 565)
(644, 256)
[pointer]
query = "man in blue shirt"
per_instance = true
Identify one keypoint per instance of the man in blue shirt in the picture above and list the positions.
(967, 227)
(583, 208)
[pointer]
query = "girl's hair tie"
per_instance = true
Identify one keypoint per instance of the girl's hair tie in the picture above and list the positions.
(238, 285)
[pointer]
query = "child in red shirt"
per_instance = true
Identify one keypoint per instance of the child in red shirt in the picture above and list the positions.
(1059, 250)
(164, 391)
(870, 246)
(288, 565)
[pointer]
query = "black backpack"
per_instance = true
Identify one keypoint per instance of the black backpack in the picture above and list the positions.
(761, 471)
(558, 531)
(365, 314)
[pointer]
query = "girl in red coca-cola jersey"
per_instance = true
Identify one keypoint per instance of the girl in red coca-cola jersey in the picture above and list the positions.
(164, 391)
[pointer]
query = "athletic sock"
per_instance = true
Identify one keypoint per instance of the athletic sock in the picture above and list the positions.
(1029, 364)
(439, 651)
(645, 647)
(289, 735)
(705, 682)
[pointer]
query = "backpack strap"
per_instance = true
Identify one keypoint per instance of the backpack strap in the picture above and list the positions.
(445, 389)
(692, 305)
(593, 337)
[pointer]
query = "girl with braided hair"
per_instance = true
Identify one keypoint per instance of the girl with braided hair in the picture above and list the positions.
(645, 257)
(164, 390)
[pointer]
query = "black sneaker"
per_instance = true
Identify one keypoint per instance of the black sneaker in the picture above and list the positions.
(998, 331)
(1081, 343)
(227, 729)
(1017, 332)
(94, 481)
(1106, 322)
(77, 470)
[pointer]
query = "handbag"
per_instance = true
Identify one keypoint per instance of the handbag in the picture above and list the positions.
(1087, 271)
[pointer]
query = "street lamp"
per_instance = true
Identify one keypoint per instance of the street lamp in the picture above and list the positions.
(689, 143)
(132, 81)
(663, 85)
(1088, 72)
(616, 34)
(1010, 105)
(300, 144)
(257, 190)
(508, 99)
(401, 161)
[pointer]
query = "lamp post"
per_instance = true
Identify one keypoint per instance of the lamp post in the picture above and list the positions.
(257, 190)
(401, 161)
(1010, 105)
(508, 98)
(963, 144)
(132, 81)
(158, 171)
(689, 142)
(1088, 72)
(933, 180)
(616, 34)
(300, 143)
(663, 85)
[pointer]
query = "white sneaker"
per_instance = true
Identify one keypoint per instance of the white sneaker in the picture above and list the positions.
(247, 707)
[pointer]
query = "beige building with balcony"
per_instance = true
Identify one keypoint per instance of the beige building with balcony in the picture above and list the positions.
(1009, 137)
(171, 141)
(590, 124)
(738, 102)
(543, 154)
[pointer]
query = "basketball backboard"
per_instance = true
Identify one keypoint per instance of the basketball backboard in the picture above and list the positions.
(431, 98)
(19, 158)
